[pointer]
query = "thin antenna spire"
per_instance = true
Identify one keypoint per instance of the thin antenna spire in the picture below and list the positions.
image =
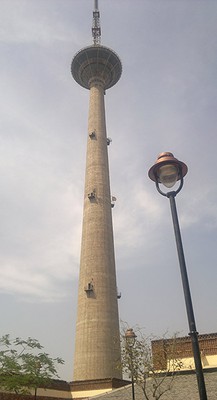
(96, 30)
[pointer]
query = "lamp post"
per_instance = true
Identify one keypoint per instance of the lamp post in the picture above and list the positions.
(168, 170)
(37, 376)
(130, 337)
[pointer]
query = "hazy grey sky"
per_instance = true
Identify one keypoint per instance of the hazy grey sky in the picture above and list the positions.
(166, 100)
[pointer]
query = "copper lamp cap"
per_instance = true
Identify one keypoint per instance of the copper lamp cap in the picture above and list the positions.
(163, 159)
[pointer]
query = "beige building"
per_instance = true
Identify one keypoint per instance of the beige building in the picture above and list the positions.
(184, 387)
(182, 384)
(165, 351)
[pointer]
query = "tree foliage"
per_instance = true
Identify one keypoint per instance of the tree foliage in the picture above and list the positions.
(137, 363)
(24, 365)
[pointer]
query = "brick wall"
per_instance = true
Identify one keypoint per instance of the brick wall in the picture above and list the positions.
(178, 348)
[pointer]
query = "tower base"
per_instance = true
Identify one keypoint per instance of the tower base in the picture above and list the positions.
(90, 388)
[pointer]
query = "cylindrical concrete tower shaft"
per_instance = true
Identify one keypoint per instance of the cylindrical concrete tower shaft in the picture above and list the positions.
(97, 347)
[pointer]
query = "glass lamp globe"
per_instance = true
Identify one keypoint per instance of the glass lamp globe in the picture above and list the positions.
(168, 175)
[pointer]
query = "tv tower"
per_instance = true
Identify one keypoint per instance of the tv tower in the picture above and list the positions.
(97, 344)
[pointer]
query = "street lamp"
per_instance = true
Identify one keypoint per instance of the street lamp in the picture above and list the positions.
(168, 170)
(130, 337)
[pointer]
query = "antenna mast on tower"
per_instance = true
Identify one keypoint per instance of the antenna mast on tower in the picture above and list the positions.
(96, 30)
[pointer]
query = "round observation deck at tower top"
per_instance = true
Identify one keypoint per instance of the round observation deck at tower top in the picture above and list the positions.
(96, 62)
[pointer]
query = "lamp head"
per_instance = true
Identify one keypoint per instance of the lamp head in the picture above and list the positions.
(167, 170)
(130, 337)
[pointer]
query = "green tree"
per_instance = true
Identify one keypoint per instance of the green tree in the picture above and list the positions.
(138, 364)
(24, 366)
